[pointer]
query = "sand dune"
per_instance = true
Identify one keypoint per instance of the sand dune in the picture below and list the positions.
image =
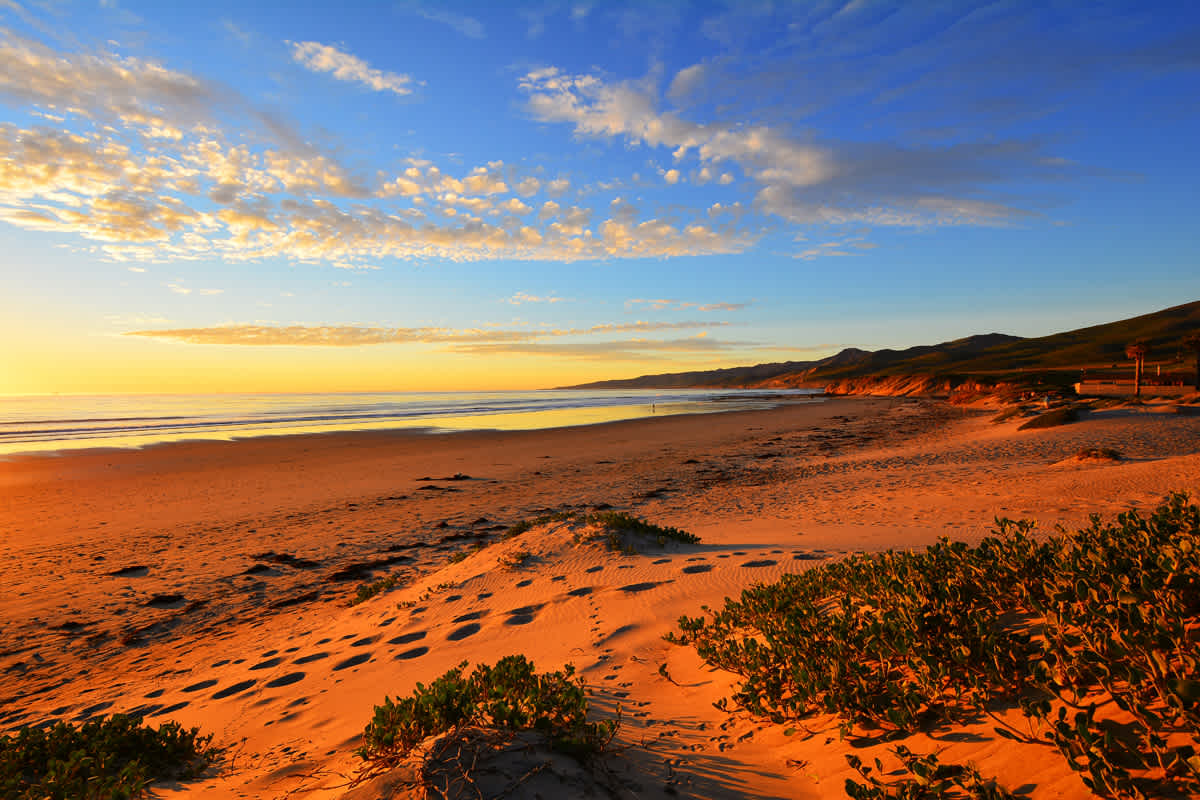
(211, 582)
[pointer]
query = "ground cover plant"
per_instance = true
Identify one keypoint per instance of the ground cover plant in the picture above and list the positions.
(368, 590)
(620, 521)
(107, 758)
(930, 779)
(1094, 635)
(509, 696)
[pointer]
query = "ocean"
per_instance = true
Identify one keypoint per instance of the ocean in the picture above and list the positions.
(49, 423)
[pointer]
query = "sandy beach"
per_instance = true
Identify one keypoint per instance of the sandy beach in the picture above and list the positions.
(211, 582)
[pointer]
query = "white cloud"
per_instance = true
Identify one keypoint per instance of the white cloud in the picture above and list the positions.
(514, 206)
(528, 186)
(686, 81)
(354, 335)
(671, 176)
(318, 57)
(799, 180)
(521, 297)
(142, 172)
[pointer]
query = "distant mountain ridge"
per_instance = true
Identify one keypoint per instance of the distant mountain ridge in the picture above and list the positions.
(994, 355)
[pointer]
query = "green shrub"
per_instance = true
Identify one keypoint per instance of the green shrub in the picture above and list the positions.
(108, 758)
(514, 559)
(509, 696)
(368, 590)
(1063, 628)
(617, 522)
(461, 555)
(1051, 419)
(618, 527)
(526, 524)
(931, 780)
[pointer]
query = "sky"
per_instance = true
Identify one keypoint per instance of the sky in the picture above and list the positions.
(412, 195)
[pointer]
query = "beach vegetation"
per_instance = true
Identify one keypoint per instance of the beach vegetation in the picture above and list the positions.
(514, 559)
(528, 524)
(510, 696)
(107, 758)
(1051, 419)
(620, 521)
(368, 590)
(925, 778)
(621, 532)
(462, 555)
(1093, 635)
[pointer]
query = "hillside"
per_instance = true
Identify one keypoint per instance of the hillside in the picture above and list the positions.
(992, 357)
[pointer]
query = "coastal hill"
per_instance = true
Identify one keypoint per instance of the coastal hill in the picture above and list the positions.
(984, 358)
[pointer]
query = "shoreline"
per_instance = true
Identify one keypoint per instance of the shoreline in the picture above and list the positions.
(210, 582)
(287, 440)
(493, 411)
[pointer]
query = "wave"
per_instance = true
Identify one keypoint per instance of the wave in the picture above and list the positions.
(140, 420)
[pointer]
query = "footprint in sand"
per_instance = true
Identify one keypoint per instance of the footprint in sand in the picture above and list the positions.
(195, 687)
(270, 662)
(416, 652)
(352, 661)
(765, 562)
(808, 557)
(173, 708)
(133, 571)
(459, 634)
(285, 680)
(311, 657)
(236, 688)
(363, 642)
(596, 568)
(523, 615)
(695, 568)
(662, 561)
(524, 583)
(642, 587)
(407, 638)
(91, 711)
(472, 616)
(582, 591)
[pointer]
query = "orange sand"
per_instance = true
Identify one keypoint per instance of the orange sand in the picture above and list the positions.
(214, 622)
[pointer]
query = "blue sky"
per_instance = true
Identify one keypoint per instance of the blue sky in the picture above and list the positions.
(414, 195)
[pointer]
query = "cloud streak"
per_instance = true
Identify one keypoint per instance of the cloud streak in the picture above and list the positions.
(352, 335)
(343, 66)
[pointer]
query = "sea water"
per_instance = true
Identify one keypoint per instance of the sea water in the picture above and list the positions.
(64, 422)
